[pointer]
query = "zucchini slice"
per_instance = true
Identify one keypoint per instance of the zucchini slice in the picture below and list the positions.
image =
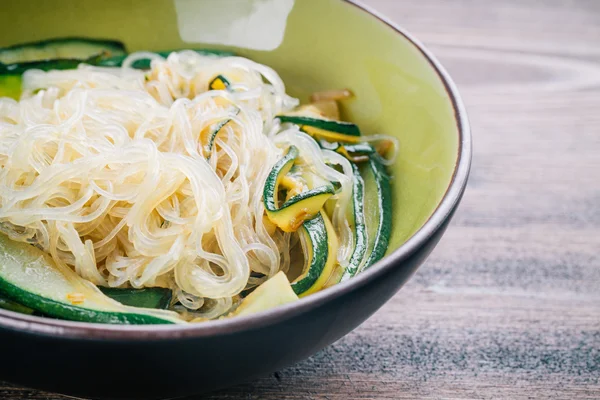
(65, 53)
(357, 218)
(145, 63)
(80, 49)
(322, 244)
(377, 209)
(304, 206)
(219, 83)
(308, 124)
(155, 297)
(208, 135)
(356, 153)
(274, 292)
(30, 277)
(10, 305)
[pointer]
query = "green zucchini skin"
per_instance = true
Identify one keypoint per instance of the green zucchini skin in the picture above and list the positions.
(10, 75)
(297, 209)
(214, 131)
(271, 184)
(384, 229)
(346, 128)
(215, 81)
(46, 49)
(360, 232)
(316, 237)
(14, 60)
(145, 63)
(62, 310)
(10, 305)
(29, 277)
(159, 298)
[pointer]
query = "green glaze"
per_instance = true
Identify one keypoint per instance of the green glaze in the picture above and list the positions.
(10, 305)
(397, 91)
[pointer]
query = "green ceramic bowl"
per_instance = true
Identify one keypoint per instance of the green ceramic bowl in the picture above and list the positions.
(315, 45)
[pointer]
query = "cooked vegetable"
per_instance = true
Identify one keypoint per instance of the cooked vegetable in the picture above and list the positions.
(155, 173)
(320, 246)
(356, 153)
(29, 277)
(357, 213)
(209, 134)
(80, 49)
(378, 210)
(304, 206)
(274, 292)
(65, 53)
(10, 305)
(219, 83)
(310, 124)
(144, 63)
(145, 298)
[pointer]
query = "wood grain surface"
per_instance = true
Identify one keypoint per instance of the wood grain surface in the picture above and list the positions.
(508, 306)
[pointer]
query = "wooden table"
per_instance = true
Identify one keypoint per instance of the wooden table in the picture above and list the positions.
(508, 306)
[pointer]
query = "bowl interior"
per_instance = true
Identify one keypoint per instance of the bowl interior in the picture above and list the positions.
(314, 45)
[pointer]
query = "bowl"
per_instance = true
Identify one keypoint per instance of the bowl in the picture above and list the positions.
(400, 88)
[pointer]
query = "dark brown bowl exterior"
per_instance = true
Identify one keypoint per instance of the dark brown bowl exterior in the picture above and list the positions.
(141, 362)
(157, 369)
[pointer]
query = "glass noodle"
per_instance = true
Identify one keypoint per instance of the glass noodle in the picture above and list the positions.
(105, 169)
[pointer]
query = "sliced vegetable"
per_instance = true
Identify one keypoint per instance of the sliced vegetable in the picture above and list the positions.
(11, 79)
(326, 109)
(274, 292)
(321, 246)
(357, 219)
(378, 210)
(356, 153)
(209, 134)
(156, 297)
(65, 53)
(145, 63)
(10, 305)
(30, 277)
(292, 214)
(309, 123)
(330, 136)
(56, 49)
(219, 83)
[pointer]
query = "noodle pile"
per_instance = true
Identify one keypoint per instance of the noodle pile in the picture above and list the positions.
(112, 172)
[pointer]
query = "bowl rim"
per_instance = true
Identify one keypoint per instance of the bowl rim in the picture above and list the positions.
(450, 200)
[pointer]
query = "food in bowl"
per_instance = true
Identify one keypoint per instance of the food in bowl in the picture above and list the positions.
(177, 186)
